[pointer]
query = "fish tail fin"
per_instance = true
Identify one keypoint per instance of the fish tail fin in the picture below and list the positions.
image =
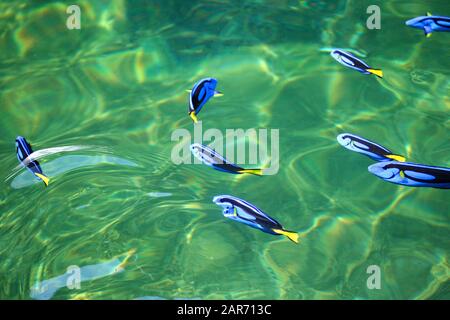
(218, 94)
(396, 157)
(193, 117)
(377, 72)
(189, 91)
(428, 35)
(43, 178)
(257, 172)
(293, 236)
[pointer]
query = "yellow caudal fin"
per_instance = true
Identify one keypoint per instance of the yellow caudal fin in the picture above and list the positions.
(293, 236)
(43, 178)
(257, 172)
(377, 72)
(218, 94)
(396, 157)
(189, 91)
(428, 35)
(193, 117)
(429, 14)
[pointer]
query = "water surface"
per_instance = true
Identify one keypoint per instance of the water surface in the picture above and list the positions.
(118, 86)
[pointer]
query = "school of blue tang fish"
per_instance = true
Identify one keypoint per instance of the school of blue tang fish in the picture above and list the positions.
(389, 166)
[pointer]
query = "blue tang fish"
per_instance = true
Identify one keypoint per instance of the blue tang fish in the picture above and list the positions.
(350, 61)
(369, 148)
(213, 159)
(430, 23)
(23, 151)
(241, 211)
(202, 91)
(412, 174)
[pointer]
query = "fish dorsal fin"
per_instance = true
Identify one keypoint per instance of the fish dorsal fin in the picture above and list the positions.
(429, 14)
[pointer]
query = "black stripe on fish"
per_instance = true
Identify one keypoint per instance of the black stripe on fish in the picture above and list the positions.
(436, 20)
(228, 167)
(441, 175)
(261, 219)
(24, 147)
(25, 152)
(196, 102)
(217, 160)
(373, 147)
(213, 155)
(35, 167)
(439, 22)
(356, 62)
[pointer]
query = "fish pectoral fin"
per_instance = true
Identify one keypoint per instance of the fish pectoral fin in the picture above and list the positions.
(427, 30)
(377, 72)
(293, 236)
(402, 174)
(43, 178)
(257, 172)
(193, 117)
(396, 157)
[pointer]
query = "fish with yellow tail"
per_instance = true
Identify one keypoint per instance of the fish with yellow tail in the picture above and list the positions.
(352, 62)
(213, 159)
(369, 148)
(202, 91)
(23, 152)
(242, 211)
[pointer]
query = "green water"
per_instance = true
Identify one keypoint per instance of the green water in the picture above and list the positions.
(118, 86)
